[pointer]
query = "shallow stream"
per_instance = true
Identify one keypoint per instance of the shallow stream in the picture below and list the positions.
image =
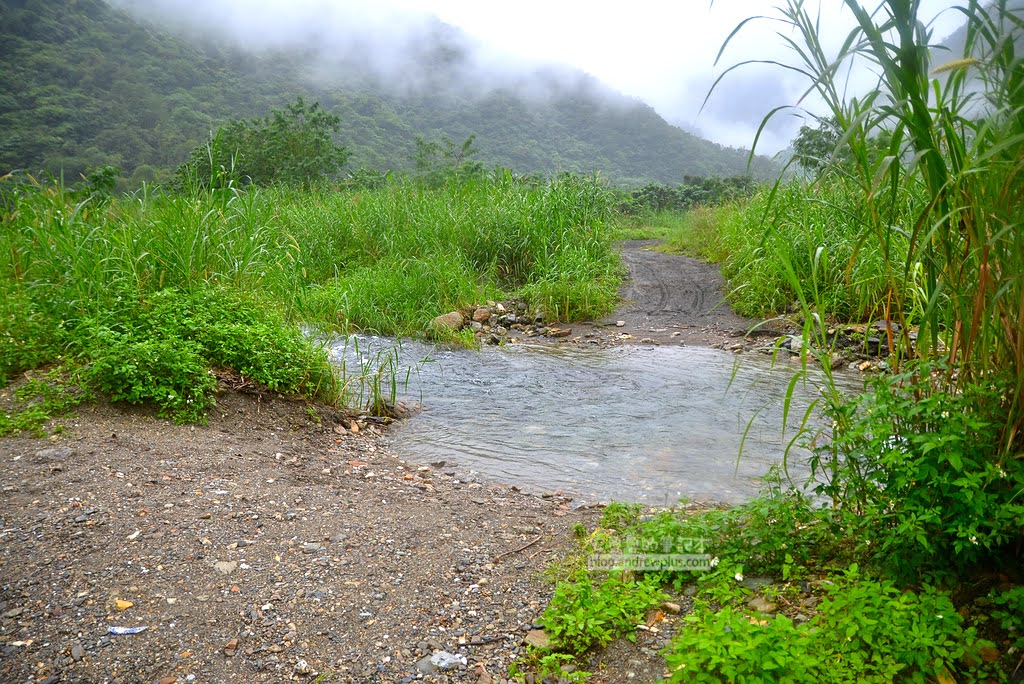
(633, 423)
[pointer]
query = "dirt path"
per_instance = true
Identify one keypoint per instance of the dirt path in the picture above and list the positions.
(275, 545)
(668, 299)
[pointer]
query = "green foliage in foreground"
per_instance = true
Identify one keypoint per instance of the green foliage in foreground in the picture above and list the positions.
(914, 465)
(150, 292)
(587, 611)
(864, 631)
(853, 622)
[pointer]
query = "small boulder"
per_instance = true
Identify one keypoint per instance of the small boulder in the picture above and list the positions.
(482, 315)
(762, 606)
(448, 321)
(537, 638)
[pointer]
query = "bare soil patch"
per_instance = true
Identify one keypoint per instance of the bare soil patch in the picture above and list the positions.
(263, 547)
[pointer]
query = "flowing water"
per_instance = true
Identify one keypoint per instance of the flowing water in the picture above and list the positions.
(635, 423)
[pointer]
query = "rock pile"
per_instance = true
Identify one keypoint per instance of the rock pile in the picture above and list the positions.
(500, 322)
(863, 347)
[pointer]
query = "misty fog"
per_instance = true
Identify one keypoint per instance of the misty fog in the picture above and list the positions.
(408, 50)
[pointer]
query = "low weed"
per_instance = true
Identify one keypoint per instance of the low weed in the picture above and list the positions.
(864, 630)
(1008, 612)
(587, 612)
(40, 399)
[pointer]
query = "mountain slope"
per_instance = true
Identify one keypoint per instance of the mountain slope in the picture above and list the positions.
(88, 85)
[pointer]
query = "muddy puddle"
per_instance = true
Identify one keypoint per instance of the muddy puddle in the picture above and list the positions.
(632, 423)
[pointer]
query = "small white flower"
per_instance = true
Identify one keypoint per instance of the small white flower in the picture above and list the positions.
(739, 576)
(974, 540)
(714, 562)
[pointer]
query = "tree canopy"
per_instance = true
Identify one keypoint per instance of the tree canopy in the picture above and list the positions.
(293, 146)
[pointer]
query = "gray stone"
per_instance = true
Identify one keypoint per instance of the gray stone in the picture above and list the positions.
(52, 454)
(426, 666)
(755, 583)
(447, 661)
(77, 652)
(673, 608)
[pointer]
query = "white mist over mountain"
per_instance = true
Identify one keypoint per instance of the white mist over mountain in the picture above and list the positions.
(660, 52)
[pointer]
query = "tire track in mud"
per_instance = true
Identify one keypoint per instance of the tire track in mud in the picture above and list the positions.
(665, 290)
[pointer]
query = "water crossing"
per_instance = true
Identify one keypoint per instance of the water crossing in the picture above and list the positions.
(645, 424)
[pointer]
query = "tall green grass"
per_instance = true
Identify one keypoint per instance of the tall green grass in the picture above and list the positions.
(385, 260)
(954, 158)
(919, 215)
(795, 243)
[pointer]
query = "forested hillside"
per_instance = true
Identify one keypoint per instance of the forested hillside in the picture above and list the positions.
(85, 84)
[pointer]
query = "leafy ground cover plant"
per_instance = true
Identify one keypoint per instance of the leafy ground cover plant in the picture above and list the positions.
(915, 464)
(162, 350)
(835, 621)
(864, 630)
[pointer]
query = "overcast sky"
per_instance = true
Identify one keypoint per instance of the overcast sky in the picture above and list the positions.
(661, 52)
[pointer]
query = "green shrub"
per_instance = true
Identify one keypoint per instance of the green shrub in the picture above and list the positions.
(169, 372)
(161, 350)
(915, 464)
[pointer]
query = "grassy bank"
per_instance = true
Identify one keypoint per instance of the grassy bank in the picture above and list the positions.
(140, 296)
(798, 241)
